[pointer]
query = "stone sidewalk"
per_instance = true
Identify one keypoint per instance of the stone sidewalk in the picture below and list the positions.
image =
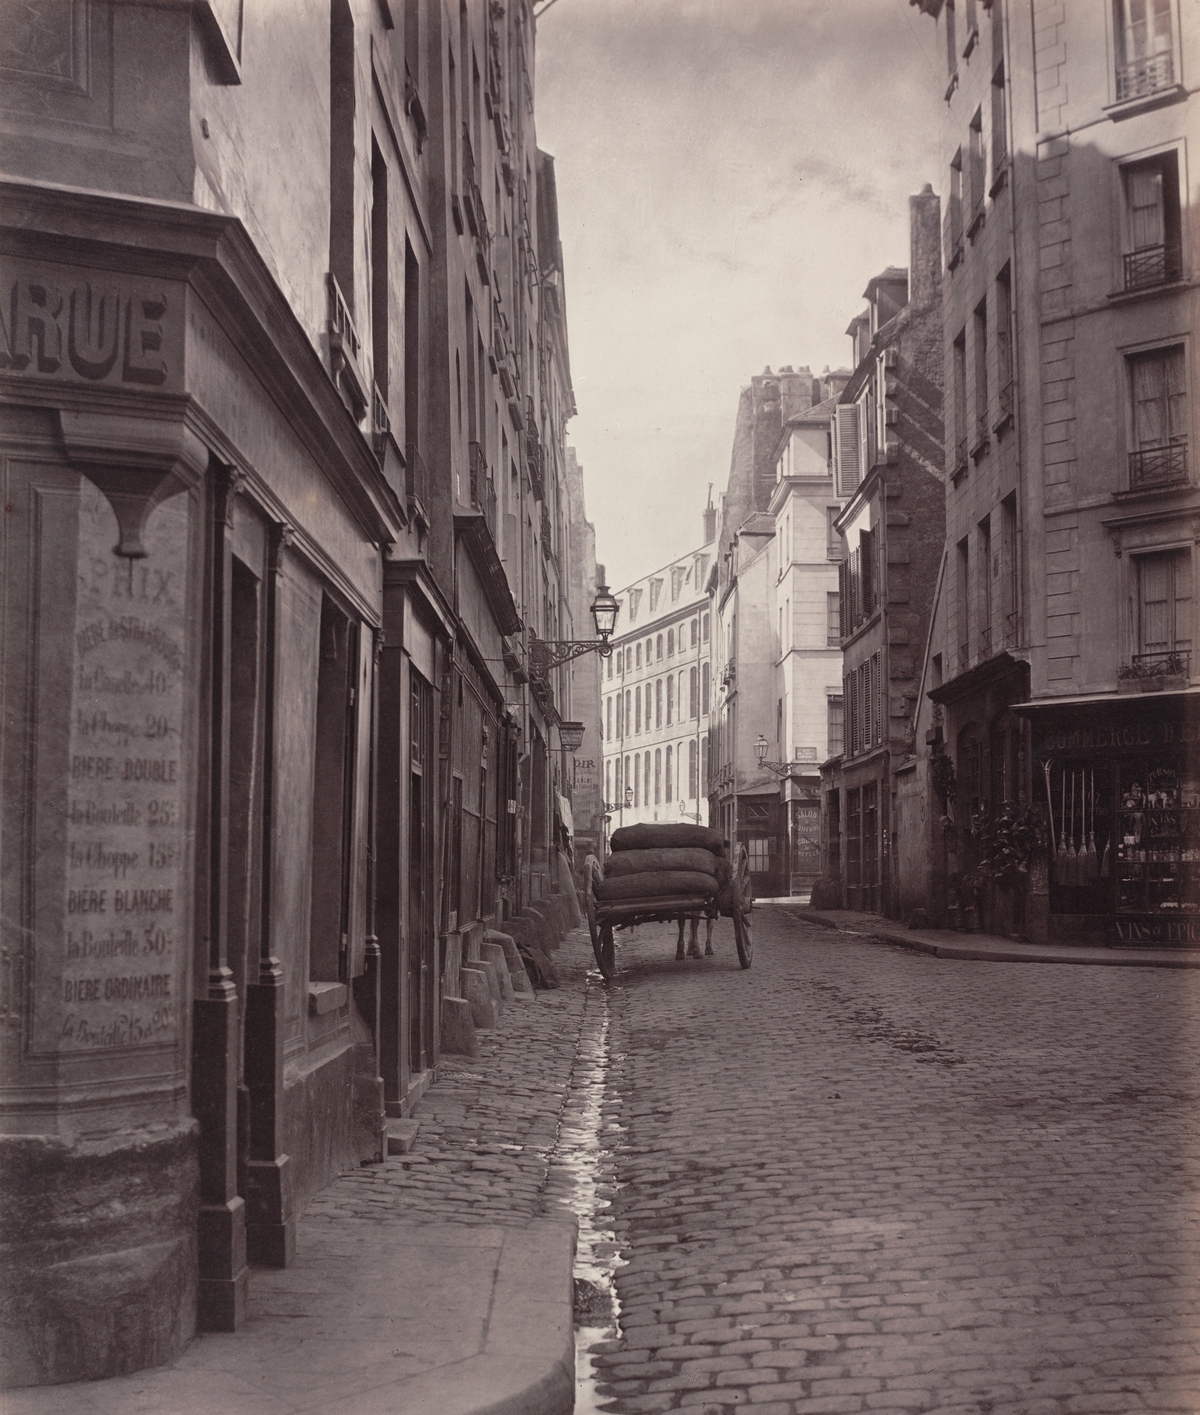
(949, 943)
(437, 1283)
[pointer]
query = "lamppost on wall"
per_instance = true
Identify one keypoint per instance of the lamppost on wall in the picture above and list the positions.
(780, 769)
(553, 653)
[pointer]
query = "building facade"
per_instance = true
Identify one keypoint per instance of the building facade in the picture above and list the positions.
(284, 450)
(777, 673)
(657, 694)
(1060, 674)
(888, 464)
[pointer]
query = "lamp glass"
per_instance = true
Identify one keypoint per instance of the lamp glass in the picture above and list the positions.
(629, 795)
(604, 612)
(760, 749)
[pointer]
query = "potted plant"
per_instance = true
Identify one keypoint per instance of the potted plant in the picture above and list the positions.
(1153, 673)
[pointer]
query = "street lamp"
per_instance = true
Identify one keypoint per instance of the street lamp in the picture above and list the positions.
(571, 735)
(553, 653)
(775, 768)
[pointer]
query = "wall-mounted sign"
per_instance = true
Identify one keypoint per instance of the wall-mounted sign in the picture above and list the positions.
(90, 326)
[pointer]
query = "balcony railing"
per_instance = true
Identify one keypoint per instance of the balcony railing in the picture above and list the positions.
(1140, 77)
(483, 490)
(1158, 466)
(1154, 265)
(381, 424)
(1163, 663)
(345, 348)
(416, 477)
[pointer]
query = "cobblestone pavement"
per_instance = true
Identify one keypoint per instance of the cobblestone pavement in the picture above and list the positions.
(489, 1126)
(860, 1179)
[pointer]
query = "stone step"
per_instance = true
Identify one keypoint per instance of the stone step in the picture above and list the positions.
(401, 1135)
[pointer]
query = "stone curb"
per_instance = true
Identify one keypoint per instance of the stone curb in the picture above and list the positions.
(986, 948)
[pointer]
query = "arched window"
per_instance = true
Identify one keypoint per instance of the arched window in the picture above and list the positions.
(670, 769)
(638, 659)
(608, 780)
(646, 777)
(620, 715)
(670, 643)
(695, 632)
(658, 648)
(649, 651)
(617, 797)
(705, 686)
(693, 695)
(704, 766)
(658, 703)
(610, 665)
(670, 698)
(637, 779)
(705, 629)
(658, 776)
(691, 768)
(608, 715)
(637, 711)
(628, 713)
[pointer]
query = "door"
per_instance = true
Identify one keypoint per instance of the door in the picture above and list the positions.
(422, 940)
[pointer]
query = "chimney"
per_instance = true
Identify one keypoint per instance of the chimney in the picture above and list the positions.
(925, 260)
(795, 391)
(710, 519)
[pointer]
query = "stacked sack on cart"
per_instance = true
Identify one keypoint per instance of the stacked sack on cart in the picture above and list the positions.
(665, 861)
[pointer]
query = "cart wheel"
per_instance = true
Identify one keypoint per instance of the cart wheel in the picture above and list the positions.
(606, 953)
(743, 903)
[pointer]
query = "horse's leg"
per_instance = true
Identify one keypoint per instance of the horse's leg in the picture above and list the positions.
(679, 943)
(708, 948)
(694, 950)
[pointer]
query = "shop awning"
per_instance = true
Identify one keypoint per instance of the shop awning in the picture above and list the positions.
(1124, 700)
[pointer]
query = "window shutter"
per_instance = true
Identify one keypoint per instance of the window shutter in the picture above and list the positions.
(849, 442)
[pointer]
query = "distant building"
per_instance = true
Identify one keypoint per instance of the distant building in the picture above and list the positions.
(1061, 674)
(777, 673)
(657, 694)
(888, 463)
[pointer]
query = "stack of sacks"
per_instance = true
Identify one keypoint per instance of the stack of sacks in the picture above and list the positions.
(661, 861)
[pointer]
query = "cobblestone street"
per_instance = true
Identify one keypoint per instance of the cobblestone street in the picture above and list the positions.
(857, 1178)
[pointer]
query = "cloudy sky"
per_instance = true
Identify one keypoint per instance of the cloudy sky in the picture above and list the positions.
(731, 173)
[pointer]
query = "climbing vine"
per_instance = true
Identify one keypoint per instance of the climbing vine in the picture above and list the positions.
(1007, 839)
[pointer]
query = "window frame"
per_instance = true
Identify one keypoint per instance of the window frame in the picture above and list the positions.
(1125, 245)
(1128, 355)
(1119, 107)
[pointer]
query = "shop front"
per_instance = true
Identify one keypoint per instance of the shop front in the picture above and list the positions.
(1120, 778)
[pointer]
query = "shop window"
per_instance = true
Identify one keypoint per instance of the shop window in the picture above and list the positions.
(1164, 608)
(758, 848)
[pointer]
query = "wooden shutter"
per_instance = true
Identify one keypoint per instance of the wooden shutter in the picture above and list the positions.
(848, 458)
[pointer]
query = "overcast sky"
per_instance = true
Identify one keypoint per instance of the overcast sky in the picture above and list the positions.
(731, 173)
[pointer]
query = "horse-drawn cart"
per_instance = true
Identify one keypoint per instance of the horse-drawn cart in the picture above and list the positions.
(731, 897)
